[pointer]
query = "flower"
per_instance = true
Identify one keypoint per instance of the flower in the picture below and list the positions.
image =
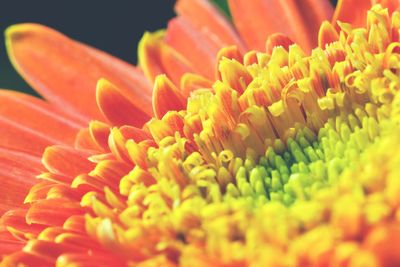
(240, 154)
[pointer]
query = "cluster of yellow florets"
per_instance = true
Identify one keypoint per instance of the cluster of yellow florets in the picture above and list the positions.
(282, 162)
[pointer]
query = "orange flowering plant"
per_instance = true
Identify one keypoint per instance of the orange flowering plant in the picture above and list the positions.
(266, 139)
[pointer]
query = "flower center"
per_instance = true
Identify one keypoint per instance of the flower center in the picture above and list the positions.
(272, 134)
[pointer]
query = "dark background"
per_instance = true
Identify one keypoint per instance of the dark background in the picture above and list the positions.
(113, 26)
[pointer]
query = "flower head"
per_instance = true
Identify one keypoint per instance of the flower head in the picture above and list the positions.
(269, 144)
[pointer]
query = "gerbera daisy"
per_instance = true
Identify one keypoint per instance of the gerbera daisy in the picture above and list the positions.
(268, 141)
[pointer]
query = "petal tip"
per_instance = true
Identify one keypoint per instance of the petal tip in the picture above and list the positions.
(101, 86)
(147, 46)
(166, 96)
(12, 34)
(327, 34)
(14, 31)
(17, 31)
(118, 109)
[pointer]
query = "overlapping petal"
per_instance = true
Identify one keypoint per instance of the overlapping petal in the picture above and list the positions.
(66, 72)
(300, 20)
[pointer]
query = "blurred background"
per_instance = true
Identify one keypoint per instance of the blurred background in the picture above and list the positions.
(113, 26)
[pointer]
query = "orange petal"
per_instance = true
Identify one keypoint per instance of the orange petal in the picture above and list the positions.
(16, 219)
(134, 133)
(196, 46)
(99, 132)
(51, 249)
(24, 139)
(116, 143)
(156, 57)
(9, 243)
(37, 115)
(118, 109)
(66, 161)
(66, 192)
(52, 212)
(352, 11)
(383, 240)
(314, 12)
(392, 5)
(278, 39)
(175, 121)
(75, 224)
(111, 170)
(229, 52)
(85, 141)
(191, 82)
(207, 18)
(38, 191)
(159, 130)
(251, 57)
(32, 124)
(138, 152)
(327, 34)
(234, 74)
(88, 259)
(299, 20)
(166, 97)
(66, 72)
(76, 240)
(49, 190)
(55, 178)
(22, 258)
(18, 172)
(86, 183)
(256, 19)
(118, 137)
(23, 158)
(355, 11)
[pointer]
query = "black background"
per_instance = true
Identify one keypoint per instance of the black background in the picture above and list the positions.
(113, 26)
